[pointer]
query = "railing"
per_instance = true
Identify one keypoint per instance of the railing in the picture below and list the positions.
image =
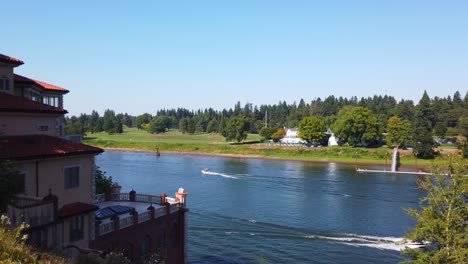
(124, 222)
(31, 211)
(106, 228)
(159, 212)
(144, 217)
(147, 198)
(126, 197)
(100, 198)
(174, 207)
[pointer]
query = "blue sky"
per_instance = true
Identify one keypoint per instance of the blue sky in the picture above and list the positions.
(141, 56)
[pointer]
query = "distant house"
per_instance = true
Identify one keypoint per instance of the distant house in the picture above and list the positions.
(57, 197)
(332, 140)
(291, 137)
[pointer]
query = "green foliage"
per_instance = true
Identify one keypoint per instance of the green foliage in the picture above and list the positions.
(13, 249)
(312, 129)
(187, 125)
(9, 184)
(160, 124)
(442, 219)
(398, 132)
(74, 129)
(236, 129)
(267, 132)
(356, 125)
(279, 134)
(103, 182)
(422, 132)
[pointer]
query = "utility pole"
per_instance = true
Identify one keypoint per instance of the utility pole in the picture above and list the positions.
(266, 118)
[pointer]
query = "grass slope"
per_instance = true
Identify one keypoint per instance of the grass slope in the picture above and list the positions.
(174, 141)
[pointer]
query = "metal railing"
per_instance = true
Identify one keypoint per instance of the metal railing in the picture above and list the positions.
(31, 211)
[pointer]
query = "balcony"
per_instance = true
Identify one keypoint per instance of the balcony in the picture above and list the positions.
(142, 208)
(31, 211)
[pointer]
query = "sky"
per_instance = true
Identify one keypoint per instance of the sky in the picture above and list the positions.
(141, 56)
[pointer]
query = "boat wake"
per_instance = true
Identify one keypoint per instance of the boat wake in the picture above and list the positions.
(384, 243)
(206, 172)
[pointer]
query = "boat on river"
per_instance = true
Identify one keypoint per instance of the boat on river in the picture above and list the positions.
(206, 171)
(413, 244)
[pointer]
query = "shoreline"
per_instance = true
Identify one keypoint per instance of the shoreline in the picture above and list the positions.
(252, 157)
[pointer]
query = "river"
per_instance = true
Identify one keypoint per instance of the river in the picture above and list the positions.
(278, 211)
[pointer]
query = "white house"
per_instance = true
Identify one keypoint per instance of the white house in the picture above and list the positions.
(291, 137)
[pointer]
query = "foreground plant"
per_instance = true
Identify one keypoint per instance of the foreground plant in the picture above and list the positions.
(443, 216)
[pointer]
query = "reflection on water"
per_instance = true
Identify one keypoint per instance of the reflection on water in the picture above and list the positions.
(285, 211)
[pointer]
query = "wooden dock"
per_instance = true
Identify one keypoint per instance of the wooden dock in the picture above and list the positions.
(394, 172)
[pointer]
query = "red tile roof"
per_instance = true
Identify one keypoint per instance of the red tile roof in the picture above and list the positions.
(41, 146)
(8, 59)
(77, 208)
(11, 103)
(46, 86)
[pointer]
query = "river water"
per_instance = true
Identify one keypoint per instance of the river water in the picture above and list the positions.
(278, 211)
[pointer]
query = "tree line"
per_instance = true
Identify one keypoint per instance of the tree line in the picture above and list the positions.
(355, 121)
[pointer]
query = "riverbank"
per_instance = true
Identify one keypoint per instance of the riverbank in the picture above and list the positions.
(214, 145)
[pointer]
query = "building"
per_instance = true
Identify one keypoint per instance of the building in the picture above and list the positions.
(57, 197)
(291, 137)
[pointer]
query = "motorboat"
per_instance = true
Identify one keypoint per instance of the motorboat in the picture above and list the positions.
(413, 244)
(206, 171)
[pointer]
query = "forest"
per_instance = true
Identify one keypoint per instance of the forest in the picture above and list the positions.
(369, 122)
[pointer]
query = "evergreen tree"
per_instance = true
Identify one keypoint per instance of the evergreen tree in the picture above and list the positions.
(422, 129)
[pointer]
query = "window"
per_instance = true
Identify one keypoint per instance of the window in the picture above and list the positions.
(42, 127)
(21, 182)
(145, 246)
(4, 83)
(76, 228)
(72, 177)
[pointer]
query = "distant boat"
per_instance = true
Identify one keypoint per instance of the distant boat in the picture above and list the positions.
(206, 171)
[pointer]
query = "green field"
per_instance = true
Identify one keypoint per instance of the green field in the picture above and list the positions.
(214, 144)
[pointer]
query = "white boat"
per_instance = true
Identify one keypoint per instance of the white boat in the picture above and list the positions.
(413, 244)
(206, 171)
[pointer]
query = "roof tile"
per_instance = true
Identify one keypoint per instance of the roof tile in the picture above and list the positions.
(8, 59)
(27, 147)
(46, 86)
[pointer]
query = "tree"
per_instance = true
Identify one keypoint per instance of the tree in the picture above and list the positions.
(312, 129)
(159, 125)
(109, 121)
(9, 183)
(267, 132)
(422, 132)
(398, 132)
(279, 134)
(442, 218)
(103, 182)
(237, 129)
(356, 124)
(93, 122)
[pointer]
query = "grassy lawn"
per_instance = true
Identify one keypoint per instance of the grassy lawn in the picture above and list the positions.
(174, 141)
